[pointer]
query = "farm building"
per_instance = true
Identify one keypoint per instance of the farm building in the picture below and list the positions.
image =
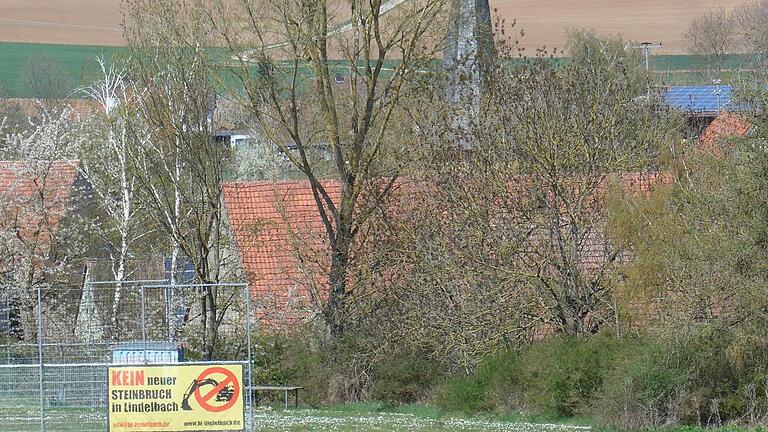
(702, 105)
(284, 249)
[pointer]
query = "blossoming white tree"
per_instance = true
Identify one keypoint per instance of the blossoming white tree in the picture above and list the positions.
(38, 248)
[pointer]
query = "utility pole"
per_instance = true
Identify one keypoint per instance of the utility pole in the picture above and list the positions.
(647, 47)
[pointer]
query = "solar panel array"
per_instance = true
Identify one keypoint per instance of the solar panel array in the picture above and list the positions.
(699, 99)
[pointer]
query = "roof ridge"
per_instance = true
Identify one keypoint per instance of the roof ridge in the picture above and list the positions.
(27, 161)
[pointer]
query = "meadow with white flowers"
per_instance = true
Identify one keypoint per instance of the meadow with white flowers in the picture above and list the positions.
(348, 418)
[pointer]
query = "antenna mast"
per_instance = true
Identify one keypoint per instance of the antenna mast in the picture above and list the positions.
(647, 47)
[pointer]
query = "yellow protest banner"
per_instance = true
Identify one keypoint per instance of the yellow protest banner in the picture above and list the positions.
(176, 398)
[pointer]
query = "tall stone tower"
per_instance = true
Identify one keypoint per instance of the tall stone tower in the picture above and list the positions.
(469, 45)
(469, 49)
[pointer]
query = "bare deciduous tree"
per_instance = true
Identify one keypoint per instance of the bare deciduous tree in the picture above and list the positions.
(181, 168)
(751, 19)
(327, 82)
(497, 244)
(46, 79)
(567, 130)
(713, 36)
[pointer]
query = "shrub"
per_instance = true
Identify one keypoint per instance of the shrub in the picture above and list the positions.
(644, 386)
(463, 393)
(555, 377)
(693, 377)
(343, 372)
(560, 375)
(486, 389)
(292, 360)
(404, 377)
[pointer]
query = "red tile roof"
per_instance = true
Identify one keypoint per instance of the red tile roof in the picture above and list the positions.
(724, 126)
(29, 107)
(29, 177)
(34, 198)
(269, 219)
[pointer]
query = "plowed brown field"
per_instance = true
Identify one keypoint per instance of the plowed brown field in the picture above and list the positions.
(78, 22)
(97, 22)
(546, 21)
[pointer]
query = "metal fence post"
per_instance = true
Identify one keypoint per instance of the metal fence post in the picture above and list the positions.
(8, 321)
(40, 356)
(247, 294)
(143, 323)
(170, 312)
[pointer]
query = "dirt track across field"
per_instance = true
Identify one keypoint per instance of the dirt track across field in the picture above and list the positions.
(97, 22)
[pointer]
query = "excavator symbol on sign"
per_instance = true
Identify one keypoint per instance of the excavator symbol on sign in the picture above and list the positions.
(224, 395)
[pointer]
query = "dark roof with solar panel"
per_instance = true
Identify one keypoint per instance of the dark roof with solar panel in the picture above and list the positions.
(701, 99)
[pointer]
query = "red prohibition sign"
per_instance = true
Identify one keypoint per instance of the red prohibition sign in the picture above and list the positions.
(203, 399)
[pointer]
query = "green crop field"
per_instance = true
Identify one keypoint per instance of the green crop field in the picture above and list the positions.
(692, 62)
(16, 59)
(79, 62)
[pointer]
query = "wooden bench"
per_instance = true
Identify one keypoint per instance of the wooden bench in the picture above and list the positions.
(286, 389)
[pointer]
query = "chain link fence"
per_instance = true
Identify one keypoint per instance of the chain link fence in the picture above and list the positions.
(57, 343)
